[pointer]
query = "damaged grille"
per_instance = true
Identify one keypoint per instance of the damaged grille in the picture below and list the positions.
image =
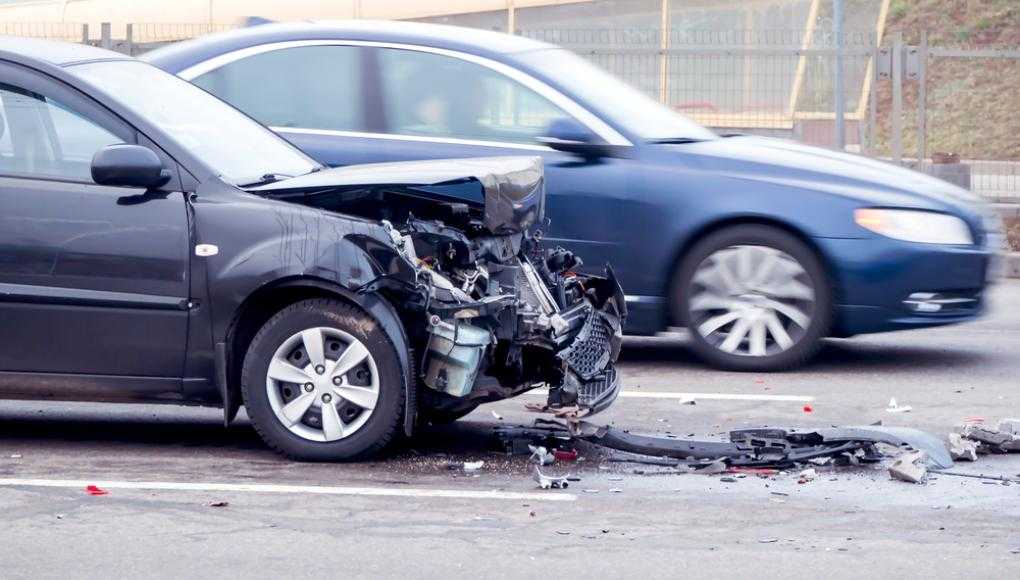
(598, 393)
(592, 348)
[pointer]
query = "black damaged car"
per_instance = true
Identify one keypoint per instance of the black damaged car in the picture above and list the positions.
(157, 245)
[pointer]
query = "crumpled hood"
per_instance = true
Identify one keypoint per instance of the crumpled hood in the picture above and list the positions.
(511, 189)
(871, 181)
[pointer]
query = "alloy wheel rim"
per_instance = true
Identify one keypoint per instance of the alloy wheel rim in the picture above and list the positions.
(751, 300)
(323, 384)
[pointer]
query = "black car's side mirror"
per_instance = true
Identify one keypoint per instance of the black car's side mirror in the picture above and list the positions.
(128, 166)
(572, 137)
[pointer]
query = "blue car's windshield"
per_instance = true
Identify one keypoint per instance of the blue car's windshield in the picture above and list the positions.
(237, 148)
(616, 101)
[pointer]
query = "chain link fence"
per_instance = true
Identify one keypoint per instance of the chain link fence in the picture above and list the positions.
(938, 109)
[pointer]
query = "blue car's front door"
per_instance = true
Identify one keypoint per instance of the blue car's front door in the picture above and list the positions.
(380, 104)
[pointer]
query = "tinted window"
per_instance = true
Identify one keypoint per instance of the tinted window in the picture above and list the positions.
(312, 87)
(434, 95)
(231, 144)
(43, 138)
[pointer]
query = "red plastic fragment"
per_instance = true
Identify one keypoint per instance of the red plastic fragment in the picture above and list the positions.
(95, 490)
(565, 454)
(808, 409)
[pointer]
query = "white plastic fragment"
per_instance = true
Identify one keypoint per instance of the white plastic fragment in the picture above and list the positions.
(910, 467)
(473, 465)
(894, 407)
(541, 455)
(961, 449)
(807, 475)
(548, 482)
(497, 416)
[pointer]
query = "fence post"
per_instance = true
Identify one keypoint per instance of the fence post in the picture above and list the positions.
(840, 105)
(922, 101)
(105, 36)
(84, 33)
(129, 39)
(897, 98)
(664, 59)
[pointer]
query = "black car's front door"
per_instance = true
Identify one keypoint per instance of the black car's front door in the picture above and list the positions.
(93, 279)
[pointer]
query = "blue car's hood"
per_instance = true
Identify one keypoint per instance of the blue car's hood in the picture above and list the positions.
(870, 181)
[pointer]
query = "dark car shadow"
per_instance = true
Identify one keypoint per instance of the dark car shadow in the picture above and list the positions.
(173, 428)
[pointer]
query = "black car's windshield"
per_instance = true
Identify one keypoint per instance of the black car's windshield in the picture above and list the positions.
(237, 148)
(617, 101)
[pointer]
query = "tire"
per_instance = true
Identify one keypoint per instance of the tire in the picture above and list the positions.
(769, 290)
(315, 433)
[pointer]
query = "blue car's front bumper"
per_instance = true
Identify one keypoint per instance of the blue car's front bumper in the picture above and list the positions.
(875, 277)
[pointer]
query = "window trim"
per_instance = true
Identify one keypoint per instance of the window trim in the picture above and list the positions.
(73, 100)
(581, 114)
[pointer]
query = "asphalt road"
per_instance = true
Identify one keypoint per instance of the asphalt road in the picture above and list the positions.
(409, 515)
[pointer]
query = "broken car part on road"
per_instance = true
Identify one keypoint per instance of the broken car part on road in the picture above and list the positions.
(764, 447)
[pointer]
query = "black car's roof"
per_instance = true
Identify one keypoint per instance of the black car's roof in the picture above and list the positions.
(49, 52)
(176, 58)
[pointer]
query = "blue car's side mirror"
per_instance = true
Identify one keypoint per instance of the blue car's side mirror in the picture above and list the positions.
(565, 134)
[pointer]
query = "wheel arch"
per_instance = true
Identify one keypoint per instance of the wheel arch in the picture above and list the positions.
(709, 228)
(259, 306)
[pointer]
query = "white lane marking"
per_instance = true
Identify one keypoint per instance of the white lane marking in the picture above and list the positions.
(704, 396)
(280, 488)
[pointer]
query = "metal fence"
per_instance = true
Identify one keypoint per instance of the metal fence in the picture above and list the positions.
(949, 111)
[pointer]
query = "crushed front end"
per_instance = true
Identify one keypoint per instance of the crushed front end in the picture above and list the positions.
(490, 312)
(504, 315)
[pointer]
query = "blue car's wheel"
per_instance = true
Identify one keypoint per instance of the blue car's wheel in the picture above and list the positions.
(754, 298)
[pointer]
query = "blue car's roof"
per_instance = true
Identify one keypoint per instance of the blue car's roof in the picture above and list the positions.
(176, 58)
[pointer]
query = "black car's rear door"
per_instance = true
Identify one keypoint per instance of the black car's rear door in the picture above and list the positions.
(93, 279)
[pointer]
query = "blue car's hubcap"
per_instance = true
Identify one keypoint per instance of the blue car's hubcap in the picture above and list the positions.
(751, 300)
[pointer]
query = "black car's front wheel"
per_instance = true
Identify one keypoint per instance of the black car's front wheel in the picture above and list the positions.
(321, 382)
(754, 298)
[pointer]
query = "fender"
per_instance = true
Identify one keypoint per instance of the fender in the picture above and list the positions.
(263, 244)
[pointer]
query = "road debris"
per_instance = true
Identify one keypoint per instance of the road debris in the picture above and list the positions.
(470, 466)
(1002, 439)
(895, 407)
(497, 416)
(962, 449)
(688, 401)
(95, 490)
(569, 455)
(910, 467)
(550, 482)
(807, 475)
(540, 455)
(219, 504)
(990, 478)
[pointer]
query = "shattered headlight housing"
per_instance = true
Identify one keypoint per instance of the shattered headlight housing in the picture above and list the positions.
(925, 227)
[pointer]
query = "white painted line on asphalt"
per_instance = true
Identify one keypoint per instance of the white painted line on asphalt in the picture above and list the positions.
(704, 396)
(720, 396)
(280, 488)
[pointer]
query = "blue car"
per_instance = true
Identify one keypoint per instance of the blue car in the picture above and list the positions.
(761, 247)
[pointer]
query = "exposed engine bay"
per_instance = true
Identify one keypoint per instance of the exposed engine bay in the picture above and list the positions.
(490, 312)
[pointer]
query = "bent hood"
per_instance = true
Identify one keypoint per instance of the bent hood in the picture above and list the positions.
(869, 180)
(510, 190)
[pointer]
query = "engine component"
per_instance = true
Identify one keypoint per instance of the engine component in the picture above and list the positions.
(454, 356)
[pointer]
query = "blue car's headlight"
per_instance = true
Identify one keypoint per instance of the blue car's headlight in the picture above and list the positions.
(915, 226)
